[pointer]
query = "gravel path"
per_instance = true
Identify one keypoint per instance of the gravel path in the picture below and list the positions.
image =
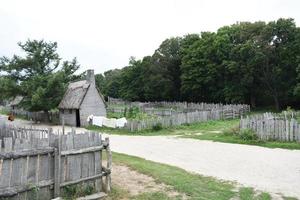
(271, 170)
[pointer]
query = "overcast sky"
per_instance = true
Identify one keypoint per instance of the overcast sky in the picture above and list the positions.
(104, 34)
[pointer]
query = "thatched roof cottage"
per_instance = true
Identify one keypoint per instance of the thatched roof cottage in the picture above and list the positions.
(81, 99)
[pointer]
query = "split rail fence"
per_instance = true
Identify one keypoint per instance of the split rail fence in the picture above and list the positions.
(39, 164)
(270, 126)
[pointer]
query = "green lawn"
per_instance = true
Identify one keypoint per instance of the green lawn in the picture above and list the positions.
(194, 186)
(248, 194)
(3, 112)
(176, 130)
(236, 139)
(225, 131)
(218, 131)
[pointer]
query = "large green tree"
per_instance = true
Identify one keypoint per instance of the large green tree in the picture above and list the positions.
(40, 76)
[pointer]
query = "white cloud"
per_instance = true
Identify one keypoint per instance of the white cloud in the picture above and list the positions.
(103, 34)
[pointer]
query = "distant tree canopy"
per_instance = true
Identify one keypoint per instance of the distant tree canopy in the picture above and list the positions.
(255, 63)
(40, 76)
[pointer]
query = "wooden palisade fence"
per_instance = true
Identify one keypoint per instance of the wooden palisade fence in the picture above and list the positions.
(41, 116)
(183, 118)
(271, 126)
(177, 113)
(176, 106)
(38, 164)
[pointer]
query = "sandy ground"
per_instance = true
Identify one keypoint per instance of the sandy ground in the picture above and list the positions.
(271, 170)
(136, 183)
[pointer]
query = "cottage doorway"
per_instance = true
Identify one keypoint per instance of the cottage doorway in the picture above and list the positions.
(77, 118)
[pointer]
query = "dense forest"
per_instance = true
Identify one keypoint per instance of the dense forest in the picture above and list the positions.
(255, 63)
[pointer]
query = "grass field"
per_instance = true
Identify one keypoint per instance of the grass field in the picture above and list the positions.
(3, 112)
(188, 129)
(218, 131)
(193, 186)
(223, 131)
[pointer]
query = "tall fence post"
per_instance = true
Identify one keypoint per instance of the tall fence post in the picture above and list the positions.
(108, 166)
(57, 167)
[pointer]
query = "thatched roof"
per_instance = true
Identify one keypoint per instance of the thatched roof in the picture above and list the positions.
(16, 101)
(74, 95)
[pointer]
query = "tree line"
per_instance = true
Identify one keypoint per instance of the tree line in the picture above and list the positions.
(254, 63)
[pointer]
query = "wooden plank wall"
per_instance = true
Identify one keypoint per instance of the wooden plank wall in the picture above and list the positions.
(271, 126)
(25, 163)
(29, 167)
(80, 166)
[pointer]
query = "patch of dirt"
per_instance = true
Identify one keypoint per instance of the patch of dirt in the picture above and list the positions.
(199, 133)
(192, 133)
(215, 131)
(136, 183)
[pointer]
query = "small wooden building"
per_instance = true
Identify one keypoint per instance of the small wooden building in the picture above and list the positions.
(81, 100)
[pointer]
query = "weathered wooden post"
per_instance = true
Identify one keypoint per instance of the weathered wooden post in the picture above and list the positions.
(63, 125)
(57, 166)
(108, 166)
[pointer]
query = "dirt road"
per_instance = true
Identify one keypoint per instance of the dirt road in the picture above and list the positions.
(271, 170)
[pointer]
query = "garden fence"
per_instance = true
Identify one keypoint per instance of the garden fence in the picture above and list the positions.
(39, 164)
(271, 126)
(52, 117)
(168, 114)
(178, 106)
(183, 118)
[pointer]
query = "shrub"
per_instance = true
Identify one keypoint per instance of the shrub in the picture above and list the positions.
(157, 127)
(75, 191)
(114, 115)
(247, 134)
(132, 112)
(231, 131)
(186, 124)
(289, 109)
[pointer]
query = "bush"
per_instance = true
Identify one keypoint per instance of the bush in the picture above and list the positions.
(157, 127)
(132, 112)
(231, 131)
(247, 134)
(114, 115)
(75, 191)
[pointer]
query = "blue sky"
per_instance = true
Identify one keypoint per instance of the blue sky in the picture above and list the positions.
(103, 34)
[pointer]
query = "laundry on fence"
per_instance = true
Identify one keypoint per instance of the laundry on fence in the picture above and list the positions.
(121, 122)
(98, 120)
(108, 122)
